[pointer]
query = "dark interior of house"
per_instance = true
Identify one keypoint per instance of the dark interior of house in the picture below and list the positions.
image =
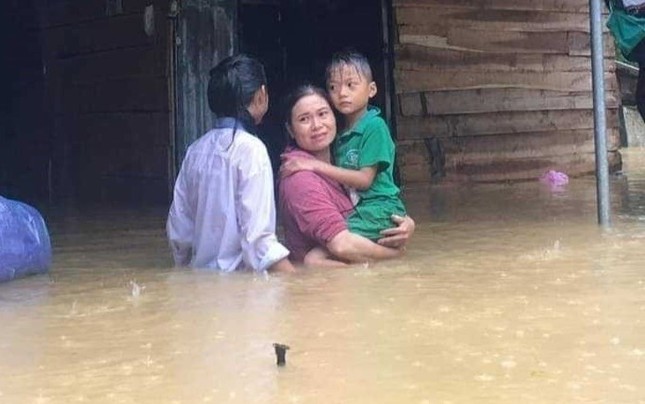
(47, 155)
(295, 39)
(23, 142)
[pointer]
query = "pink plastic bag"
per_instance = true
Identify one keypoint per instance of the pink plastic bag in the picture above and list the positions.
(555, 179)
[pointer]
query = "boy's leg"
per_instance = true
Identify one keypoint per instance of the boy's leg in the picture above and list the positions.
(369, 219)
(320, 257)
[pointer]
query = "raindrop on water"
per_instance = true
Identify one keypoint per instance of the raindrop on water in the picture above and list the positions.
(136, 289)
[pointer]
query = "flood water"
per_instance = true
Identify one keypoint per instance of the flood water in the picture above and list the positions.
(509, 293)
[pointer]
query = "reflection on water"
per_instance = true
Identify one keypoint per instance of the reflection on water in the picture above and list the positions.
(509, 293)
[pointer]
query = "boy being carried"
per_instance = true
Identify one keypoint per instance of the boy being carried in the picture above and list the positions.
(364, 150)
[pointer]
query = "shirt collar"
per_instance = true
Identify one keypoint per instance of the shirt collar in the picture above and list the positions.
(230, 123)
(371, 112)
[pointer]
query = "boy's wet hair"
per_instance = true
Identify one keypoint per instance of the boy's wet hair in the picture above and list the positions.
(349, 57)
(232, 85)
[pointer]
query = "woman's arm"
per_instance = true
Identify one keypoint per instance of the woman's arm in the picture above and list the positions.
(321, 257)
(310, 203)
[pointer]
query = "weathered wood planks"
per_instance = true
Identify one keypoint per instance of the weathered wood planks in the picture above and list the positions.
(415, 80)
(107, 82)
(499, 123)
(505, 85)
(573, 6)
(510, 157)
(493, 100)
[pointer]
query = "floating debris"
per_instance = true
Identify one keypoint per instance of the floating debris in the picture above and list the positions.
(280, 353)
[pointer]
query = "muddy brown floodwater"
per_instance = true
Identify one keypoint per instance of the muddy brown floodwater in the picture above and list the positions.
(509, 293)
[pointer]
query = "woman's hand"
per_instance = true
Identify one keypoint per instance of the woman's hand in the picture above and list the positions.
(397, 237)
(294, 164)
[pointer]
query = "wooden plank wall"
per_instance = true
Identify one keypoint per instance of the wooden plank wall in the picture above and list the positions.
(503, 86)
(107, 87)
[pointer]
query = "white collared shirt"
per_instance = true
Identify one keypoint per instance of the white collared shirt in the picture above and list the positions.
(223, 210)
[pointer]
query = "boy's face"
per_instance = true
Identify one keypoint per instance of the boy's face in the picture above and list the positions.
(349, 90)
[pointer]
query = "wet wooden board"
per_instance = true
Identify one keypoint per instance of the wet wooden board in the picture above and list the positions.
(573, 6)
(500, 169)
(528, 145)
(438, 20)
(454, 79)
(500, 123)
(107, 83)
(417, 57)
(492, 100)
(506, 84)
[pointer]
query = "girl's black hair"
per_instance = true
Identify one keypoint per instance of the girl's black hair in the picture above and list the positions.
(231, 87)
(294, 96)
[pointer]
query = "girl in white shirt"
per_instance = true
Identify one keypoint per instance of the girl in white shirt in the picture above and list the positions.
(223, 213)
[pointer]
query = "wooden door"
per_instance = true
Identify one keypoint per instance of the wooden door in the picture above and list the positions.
(205, 34)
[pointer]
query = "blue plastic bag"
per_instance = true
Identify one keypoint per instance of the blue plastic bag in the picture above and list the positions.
(25, 247)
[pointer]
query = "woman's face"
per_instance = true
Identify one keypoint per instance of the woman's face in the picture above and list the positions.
(313, 125)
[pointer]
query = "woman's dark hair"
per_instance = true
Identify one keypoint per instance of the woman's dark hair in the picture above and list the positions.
(294, 96)
(232, 85)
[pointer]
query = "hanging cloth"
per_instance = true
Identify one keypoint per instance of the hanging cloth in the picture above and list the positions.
(628, 29)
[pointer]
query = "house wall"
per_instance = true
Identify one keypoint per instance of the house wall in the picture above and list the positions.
(106, 85)
(503, 87)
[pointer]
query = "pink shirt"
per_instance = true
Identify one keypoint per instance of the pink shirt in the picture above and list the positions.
(313, 209)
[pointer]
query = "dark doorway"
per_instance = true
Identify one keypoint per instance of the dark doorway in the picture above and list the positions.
(24, 143)
(296, 38)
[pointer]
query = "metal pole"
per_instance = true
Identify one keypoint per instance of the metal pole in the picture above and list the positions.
(600, 124)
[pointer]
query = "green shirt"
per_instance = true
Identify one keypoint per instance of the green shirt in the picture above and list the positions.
(369, 143)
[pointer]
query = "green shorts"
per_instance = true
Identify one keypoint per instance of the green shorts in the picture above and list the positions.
(373, 215)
